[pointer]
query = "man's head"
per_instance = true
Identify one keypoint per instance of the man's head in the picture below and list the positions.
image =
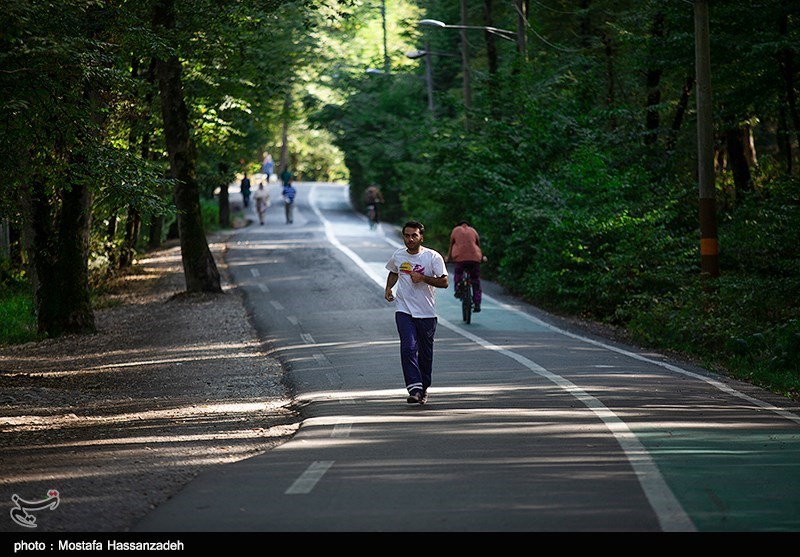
(413, 232)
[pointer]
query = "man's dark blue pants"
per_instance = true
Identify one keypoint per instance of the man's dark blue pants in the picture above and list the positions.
(416, 349)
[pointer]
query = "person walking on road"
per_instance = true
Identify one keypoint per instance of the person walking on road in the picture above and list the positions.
(289, 193)
(465, 252)
(268, 166)
(417, 271)
(286, 176)
(261, 198)
(245, 189)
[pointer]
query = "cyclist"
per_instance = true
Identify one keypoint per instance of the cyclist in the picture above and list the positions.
(465, 252)
(372, 198)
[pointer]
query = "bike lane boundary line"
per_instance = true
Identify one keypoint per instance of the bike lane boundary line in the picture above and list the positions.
(669, 512)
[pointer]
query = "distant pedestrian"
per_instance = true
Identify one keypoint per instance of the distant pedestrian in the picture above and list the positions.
(286, 176)
(418, 272)
(289, 193)
(261, 197)
(245, 189)
(268, 166)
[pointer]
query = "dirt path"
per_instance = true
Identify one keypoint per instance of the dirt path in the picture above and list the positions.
(119, 421)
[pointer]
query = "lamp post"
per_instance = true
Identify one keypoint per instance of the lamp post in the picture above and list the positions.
(386, 65)
(428, 73)
(502, 33)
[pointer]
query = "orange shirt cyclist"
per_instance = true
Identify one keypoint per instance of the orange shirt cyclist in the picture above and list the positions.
(465, 252)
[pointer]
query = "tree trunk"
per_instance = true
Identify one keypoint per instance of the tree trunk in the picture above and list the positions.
(610, 78)
(224, 207)
(785, 140)
(132, 227)
(199, 267)
(491, 46)
(787, 66)
(111, 233)
(58, 241)
(680, 112)
(224, 198)
(737, 160)
(156, 232)
(285, 163)
(653, 119)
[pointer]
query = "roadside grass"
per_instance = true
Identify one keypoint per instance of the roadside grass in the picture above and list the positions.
(746, 329)
(17, 318)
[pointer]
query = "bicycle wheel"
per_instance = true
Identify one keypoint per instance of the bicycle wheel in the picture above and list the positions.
(466, 300)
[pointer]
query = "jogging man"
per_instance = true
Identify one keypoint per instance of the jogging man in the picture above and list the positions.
(417, 271)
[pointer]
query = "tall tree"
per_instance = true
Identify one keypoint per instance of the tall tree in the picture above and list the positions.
(59, 143)
(199, 267)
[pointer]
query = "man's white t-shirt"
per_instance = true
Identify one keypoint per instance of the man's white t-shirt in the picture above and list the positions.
(417, 300)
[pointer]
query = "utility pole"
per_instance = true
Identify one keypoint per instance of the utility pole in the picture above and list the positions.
(465, 59)
(709, 248)
(386, 65)
(429, 78)
(522, 20)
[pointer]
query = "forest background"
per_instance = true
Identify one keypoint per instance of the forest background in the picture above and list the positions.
(564, 131)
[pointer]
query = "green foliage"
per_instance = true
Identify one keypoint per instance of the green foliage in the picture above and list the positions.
(577, 166)
(17, 319)
(210, 211)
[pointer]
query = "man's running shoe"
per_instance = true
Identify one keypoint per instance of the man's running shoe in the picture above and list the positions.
(424, 397)
(415, 398)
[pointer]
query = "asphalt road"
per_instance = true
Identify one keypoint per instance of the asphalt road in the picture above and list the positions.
(529, 427)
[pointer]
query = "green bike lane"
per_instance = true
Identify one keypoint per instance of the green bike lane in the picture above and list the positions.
(734, 465)
(728, 452)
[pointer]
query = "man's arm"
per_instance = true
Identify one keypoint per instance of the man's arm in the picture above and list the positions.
(391, 280)
(436, 282)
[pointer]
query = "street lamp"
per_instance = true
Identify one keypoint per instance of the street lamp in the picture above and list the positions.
(502, 33)
(415, 54)
(465, 69)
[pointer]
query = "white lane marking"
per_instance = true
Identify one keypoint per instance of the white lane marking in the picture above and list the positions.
(341, 430)
(292, 319)
(710, 381)
(255, 272)
(321, 359)
(277, 305)
(307, 338)
(668, 509)
(263, 287)
(308, 479)
(670, 513)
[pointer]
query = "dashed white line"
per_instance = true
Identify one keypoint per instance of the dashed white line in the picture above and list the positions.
(308, 479)
(321, 360)
(668, 509)
(341, 430)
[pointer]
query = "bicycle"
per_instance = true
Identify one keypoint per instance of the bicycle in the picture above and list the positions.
(372, 215)
(464, 292)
